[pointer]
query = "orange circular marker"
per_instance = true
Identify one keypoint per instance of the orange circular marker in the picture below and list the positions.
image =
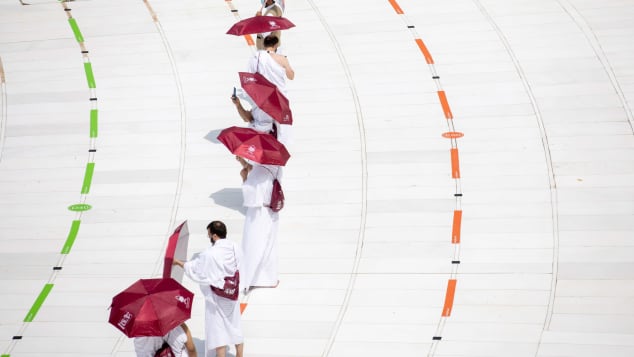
(452, 135)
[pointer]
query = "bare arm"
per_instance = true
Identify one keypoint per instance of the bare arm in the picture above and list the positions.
(290, 73)
(246, 167)
(244, 114)
(189, 344)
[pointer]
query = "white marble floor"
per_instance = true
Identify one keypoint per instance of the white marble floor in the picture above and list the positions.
(461, 180)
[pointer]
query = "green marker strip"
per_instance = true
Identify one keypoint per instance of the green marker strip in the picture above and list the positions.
(73, 25)
(74, 228)
(89, 76)
(94, 114)
(38, 303)
(90, 168)
(5, 356)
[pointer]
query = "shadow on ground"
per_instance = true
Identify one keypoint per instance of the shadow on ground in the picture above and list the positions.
(230, 198)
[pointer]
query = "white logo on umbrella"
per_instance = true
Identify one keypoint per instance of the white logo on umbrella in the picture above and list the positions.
(124, 320)
(273, 24)
(251, 150)
(183, 300)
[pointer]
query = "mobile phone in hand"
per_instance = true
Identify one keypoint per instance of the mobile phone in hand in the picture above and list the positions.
(234, 93)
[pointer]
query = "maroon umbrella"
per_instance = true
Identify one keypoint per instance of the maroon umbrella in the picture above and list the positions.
(176, 248)
(151, 307)
(250, 144)
(267, 97)
(259, 24)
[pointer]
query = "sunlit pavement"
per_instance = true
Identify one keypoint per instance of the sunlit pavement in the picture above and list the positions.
(461, 180)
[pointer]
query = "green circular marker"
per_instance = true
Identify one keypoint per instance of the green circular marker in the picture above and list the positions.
(79, 207)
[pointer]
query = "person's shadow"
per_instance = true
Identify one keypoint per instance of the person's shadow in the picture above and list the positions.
(200, 348)
(230, 198)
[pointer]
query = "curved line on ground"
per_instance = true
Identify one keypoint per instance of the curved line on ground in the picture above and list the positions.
(183, 131)
(588, 32)
(39, 301)
(183, 147)
(549, 165)
(364, 181)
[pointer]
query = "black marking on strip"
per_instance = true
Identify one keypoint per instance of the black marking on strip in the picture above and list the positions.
(435, 77)
(84, 51)
(234, 10)
(93, 98)
(67, 9)
(410, 26)
(92, 150)
(455, 262)
(57, 268)
(17, 337)
(457, 194)
(436, 338)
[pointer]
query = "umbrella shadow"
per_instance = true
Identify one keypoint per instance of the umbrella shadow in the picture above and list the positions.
(213, 136)
(230, 198)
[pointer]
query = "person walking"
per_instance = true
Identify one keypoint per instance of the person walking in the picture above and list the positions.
(259, 239)
(216, 269)
(256, 118)
(274, 67)
(179, 340)
(269, 8)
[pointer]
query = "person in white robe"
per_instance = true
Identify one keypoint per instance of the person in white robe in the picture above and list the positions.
(260, 121)
(274, 67)
(210, 267)
(179, 340)
(277, 69)
(259, 239)
(255, 118)
(269, 8)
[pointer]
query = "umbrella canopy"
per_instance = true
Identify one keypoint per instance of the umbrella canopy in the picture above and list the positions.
(260, 24)
(151, 307)
(267, 97)
(255, 146)
(176, 248)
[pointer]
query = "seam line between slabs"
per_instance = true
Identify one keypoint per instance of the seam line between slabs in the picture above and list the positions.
(364, 181)
(78, 208)
(589, 34)
(455, 175)
(549, 165)
(183, 146)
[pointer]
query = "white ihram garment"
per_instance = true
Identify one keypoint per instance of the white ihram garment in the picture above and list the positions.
(222, 315)
(176, 339)
(264, 64)
(259, 240)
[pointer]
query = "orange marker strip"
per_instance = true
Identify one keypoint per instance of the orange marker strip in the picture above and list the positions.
(396, 7)
(243, 307)
(249, 40)
(425, 51)
(451, 291)
(455, 230)
(455, 165)
(445, 104)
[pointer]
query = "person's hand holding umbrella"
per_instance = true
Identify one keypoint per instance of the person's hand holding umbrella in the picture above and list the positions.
(179, 263)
